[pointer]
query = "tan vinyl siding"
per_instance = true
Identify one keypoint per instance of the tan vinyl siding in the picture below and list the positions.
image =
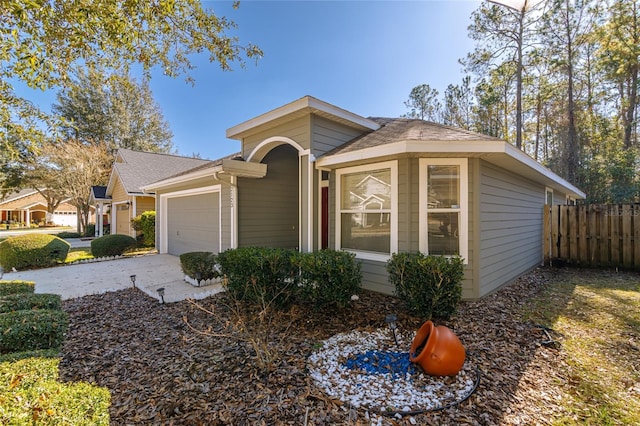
(268, 207)
(119, 193)
(510, 220)
(145, 204)
(299, 130)
(328, 135)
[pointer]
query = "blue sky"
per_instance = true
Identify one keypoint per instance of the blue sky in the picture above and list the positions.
(363, 56)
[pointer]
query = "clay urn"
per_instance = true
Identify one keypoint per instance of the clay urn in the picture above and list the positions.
(437, 350)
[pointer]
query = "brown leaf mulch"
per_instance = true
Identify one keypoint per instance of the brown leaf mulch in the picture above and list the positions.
(159, 370)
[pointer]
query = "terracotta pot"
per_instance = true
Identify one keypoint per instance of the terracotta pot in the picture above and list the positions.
(437, 350)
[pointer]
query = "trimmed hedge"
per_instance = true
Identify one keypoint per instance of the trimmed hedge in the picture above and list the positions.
(39, 250)
(284, 276)
(66, 234)
(199, 265)
(29, 301)
(430, 286)
(31, 330)
(146, 225)
(328, 277)
(260, 274)
(16, 287)
(112, 245)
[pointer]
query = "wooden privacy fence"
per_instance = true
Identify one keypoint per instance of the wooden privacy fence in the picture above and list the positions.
(605, 235)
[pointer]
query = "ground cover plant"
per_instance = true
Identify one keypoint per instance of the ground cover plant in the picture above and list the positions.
(33, 327)
(159, 370)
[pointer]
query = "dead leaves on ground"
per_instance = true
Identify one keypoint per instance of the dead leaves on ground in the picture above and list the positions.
(160, 371)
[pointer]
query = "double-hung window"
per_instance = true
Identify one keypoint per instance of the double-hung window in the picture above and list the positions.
(444, 212)
(366, 221)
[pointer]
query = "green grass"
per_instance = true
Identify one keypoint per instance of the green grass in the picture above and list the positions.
(78, 253)
(31, 394)
(598, 316)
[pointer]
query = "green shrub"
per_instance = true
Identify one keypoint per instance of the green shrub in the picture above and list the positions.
(38, 353)
(430, 286)
(16, 287)
(146, 224)
(66, 234)
(259, 274)
(90, 230)
(328, 277)
(28, 301)
(199, 265)
(34, 395)
(31, 330)
(112, 245)
(40, 250)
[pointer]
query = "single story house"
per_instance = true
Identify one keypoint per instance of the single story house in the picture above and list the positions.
(311, 175)
(123, 198)
(28, 207)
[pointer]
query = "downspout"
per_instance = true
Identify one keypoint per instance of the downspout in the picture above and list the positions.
(234, 212)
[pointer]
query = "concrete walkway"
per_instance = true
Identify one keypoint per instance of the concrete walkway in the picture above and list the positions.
(152, 272)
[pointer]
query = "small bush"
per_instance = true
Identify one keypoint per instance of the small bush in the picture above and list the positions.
(146, 224)
(430, 286)
(112, 245)
(328, 277)
(16, 287)
(259, 274)
(90, 230)
(39, 250)
(31, 330)
(199, 265)
(66, 234)
(29, 301)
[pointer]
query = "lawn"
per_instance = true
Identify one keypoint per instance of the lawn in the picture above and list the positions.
(596, 318)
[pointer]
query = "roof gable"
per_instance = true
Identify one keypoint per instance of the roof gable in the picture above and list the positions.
(135, 169)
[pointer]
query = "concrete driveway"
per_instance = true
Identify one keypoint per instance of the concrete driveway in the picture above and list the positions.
(152, 272)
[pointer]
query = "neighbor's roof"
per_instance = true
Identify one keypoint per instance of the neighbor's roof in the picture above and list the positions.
(137, 168)
(15, 195)
(99, 192)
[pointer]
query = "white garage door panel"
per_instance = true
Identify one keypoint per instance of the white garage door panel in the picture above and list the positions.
(193, 223)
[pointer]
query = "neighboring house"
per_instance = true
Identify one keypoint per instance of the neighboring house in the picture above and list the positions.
(311, 175)
(123, 198)
(28, 207)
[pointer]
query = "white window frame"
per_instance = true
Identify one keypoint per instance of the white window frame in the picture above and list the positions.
(463, 209)
(548, 191)
(393, 244)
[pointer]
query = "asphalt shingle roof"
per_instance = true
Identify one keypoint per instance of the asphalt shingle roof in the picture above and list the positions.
(404, 129)
(141, 168)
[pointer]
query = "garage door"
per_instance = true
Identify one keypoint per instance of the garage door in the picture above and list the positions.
(193, 223)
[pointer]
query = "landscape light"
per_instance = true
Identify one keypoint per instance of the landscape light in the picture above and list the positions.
(392, 319)
(133, 280)
(161, 294)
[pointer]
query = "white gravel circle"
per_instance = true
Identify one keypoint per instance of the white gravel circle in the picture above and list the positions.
(384, 392)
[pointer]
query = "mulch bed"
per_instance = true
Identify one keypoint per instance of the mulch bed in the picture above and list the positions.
(161, 370)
